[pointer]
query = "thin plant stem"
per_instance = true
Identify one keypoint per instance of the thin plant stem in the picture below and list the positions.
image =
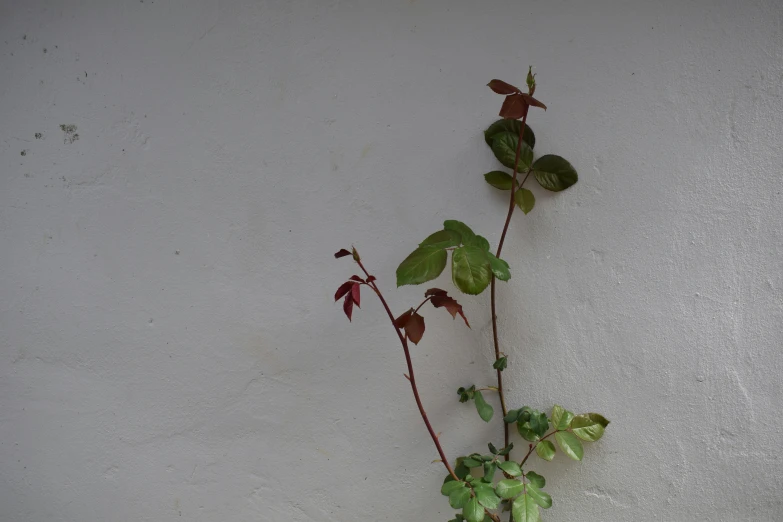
(422, 304)
(411, 376)
(511, 206)
(533, 446)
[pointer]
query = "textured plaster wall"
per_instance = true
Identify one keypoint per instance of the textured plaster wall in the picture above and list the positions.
(168, 345)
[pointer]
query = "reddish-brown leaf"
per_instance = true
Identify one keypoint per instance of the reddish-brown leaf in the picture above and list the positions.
(341, 253)
(451, 306)
(435, 291)
(355, 294)
(348, 306)
(532, 101)
(514, 107)
(403, 318)
(414, 328)
(502, 87)
(356, 278)
(370, 279)
(344, 289)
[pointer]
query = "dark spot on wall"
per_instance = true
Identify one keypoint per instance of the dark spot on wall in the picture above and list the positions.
(24, 153)
(70, 133)
(38, 135)
(45, 51)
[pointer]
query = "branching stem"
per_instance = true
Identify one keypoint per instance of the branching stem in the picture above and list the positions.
(533, 446)
(422, 304)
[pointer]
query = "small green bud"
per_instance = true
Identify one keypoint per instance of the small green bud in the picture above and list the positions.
(531, 80)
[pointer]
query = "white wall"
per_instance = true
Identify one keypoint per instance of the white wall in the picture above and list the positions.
(169, 349)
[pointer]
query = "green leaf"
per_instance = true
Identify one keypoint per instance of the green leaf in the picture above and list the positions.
(501, 364)
(507, 449)
(479, 241)
(470, 269)
(442, 239)
(450, 487)
(525, 200)
(457, 518)
(589, 426)
(499, 267)
(459, 497)
(535, 479)
(489, 471)
(509, 125)
(424, 264)
(526, 432)
(546, 450)
(460, 228)
(539, 497)
(538, 422)
(512, 416)
(504, 146)
(499, 179)
(509, 488)
(561, 418)
(473, 511)
(554, 173)
(466, 394)
(570, 445)
(492, 448)
(525, 509)
(486, 496)
(470, 461)
(460, 469)
(485, 411)
(532, 424)
(511, 468)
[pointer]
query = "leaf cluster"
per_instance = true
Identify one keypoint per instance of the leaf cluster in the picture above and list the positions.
(519, 490)
(472, 264)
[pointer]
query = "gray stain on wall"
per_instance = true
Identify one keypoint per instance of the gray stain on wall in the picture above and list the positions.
(70, 133)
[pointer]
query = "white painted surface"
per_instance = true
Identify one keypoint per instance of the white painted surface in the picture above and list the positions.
(168, 345)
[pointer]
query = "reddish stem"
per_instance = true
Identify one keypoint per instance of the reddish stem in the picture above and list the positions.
(411, 376)
(533, 446)
(511, 206)
(422, 304)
